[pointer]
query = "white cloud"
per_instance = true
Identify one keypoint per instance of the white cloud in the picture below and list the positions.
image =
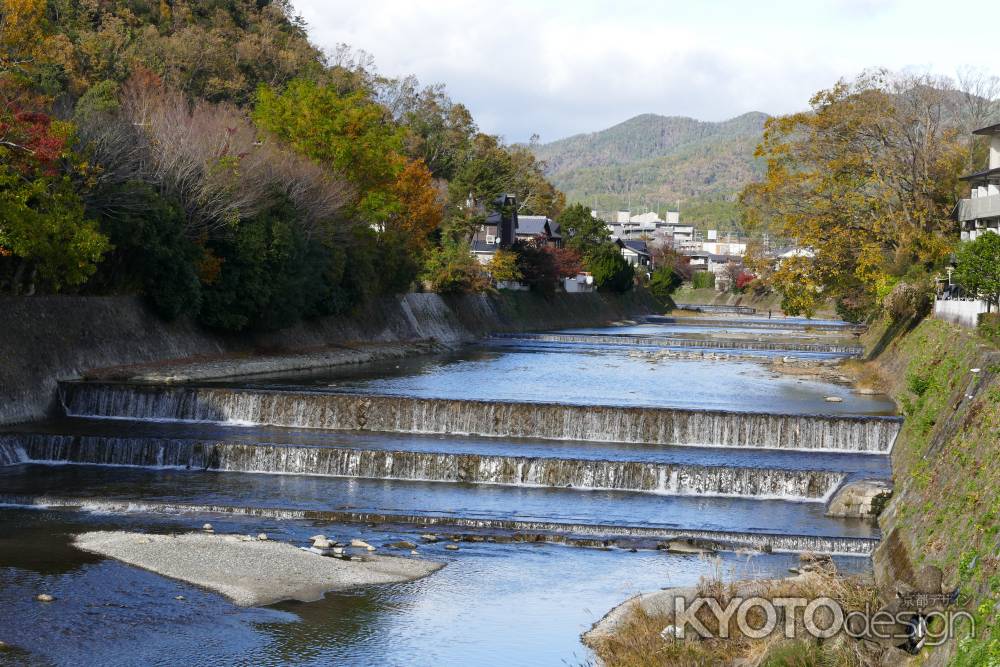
(559, 68)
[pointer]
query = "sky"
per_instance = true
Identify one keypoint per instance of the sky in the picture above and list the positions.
(558, 68)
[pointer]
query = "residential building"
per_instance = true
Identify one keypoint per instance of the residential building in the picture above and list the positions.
(490, 235)
(980, 213)
(635, 252)
(977, 215)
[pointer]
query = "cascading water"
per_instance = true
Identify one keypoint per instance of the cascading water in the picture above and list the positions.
(700, 343)
(401, 414)
(11, 452)
(668, 479)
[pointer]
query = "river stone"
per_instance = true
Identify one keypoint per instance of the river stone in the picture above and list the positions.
(44, 597)
(451, 547)
(403, 544)
(427, 537)
(834, 399)
(360, 544)
(855, 499)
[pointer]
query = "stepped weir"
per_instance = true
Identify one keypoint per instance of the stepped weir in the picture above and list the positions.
(667, 341)
(531, 531)
(400, 414)
(637, 476)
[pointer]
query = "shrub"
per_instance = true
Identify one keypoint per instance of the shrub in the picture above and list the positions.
(610, 270)
(908, 300)
(664, 283)
(703, 280)
(989, 327)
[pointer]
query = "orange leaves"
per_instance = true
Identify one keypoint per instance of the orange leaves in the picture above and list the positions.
(420, 203)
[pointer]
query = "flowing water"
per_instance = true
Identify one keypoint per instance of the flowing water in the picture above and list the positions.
(559, 462)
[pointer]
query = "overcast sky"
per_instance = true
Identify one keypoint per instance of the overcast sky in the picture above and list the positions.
(560, 68)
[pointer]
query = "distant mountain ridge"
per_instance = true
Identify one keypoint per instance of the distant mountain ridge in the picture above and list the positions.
(654, 161)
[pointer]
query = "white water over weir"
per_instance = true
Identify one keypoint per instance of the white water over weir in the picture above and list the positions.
(704, 343)
(11, 452)
(400, 414)
(668, 479)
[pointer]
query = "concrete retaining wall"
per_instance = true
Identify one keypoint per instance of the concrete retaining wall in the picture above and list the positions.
(958, 311)
(49, 338)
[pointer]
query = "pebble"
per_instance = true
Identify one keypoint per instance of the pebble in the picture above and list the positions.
(451, 547)
(414, 553)
(208, 528)
(44, 597)
(262, 537)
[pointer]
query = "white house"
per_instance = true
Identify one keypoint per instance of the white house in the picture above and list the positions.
(980, 213)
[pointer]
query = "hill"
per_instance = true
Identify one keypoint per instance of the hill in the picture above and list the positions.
(655, 161)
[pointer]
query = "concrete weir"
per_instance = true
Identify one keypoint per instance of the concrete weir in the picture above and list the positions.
(430, 466)
(667, 341)
(521, 530)
(400, 414)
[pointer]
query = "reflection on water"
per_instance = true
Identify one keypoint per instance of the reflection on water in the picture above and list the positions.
(605, 377)
(491, 605)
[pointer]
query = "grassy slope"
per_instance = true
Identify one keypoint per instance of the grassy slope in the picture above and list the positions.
(946, 462)
(771, 301)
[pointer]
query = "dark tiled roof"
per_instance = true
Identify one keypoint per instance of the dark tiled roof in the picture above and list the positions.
(483, 246)
(637, 245)
(989, 130)
(532, 225)
(988, 174)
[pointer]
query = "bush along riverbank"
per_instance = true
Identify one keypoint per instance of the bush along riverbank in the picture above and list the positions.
(937, 570)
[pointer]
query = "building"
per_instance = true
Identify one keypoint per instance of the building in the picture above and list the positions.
(977, 215)
(980, 213)
(497, 226)
(635, 252)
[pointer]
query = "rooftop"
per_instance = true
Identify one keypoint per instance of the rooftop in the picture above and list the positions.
(988, 131)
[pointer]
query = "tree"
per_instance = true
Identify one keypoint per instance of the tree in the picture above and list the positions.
(567, 261)
(978, 267)
(503, 267)
(581, 231)
(664, 283)
(349, 133)
(452, 269)
(665, 256)
(867, 180)
(420, 210)
(610, 269)
(537, 265)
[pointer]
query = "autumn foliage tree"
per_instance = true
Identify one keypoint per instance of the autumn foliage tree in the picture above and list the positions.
(866, 180)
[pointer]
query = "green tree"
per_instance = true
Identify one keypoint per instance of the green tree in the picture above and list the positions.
(451, 269)
(978, 267)
(609, 268)
(581, 231)
(664, 283)
(350, 133)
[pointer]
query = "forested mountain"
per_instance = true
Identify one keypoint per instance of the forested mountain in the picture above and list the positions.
(655, 161)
